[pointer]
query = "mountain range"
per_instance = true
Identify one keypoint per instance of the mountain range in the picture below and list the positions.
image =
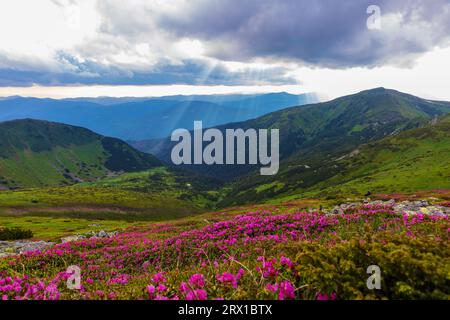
(148, 118)
(376, 141)
(315, 133)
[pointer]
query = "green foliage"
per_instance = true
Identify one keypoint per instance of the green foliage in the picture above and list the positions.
(54, 227)
(411, 268)
(15, 234)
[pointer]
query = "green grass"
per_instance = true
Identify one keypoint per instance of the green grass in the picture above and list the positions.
(156, 194)
(52, 228)
(415, 160)
(274, 185)
(50, 167)
(42, 154)
(114, 203)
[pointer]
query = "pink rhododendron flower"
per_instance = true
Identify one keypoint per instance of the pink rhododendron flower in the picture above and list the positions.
(184, 287)
(197, 294)
(227, 278)
(100, 293)
(287, 291)
(286, 262)
(151, 291)
(272, 287)
(159, 278)
(161, 288)
(197, 281)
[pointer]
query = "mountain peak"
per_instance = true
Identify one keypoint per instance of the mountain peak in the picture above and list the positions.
(378, 90)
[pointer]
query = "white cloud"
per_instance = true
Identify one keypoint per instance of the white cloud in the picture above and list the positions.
(428, 78)
(232, 42)
(31, 32)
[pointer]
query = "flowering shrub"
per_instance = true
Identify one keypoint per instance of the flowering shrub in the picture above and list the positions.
(257, 255)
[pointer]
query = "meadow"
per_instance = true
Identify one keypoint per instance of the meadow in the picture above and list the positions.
(269, 252)
(154, 195)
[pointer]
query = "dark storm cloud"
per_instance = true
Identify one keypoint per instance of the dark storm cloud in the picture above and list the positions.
(328, 33)
(192, 72)
(319, 33)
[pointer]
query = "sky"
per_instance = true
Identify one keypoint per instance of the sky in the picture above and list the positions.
(69, 48)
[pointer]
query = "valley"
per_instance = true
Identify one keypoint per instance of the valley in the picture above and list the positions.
(400, 144)
(371, 167)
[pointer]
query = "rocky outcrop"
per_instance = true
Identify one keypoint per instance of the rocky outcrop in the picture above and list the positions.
(403, 207)
(421, 206)
(9, 248)
(89, 235)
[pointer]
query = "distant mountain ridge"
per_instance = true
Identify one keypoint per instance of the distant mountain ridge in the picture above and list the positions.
(148, 118)
(214, 98)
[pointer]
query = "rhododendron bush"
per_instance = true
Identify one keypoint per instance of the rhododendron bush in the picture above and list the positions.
(256, 255)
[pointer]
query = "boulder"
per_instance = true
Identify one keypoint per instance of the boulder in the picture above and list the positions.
(72, 238)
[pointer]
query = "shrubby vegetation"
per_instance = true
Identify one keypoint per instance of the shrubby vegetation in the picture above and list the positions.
(411, 267)
(15, 234)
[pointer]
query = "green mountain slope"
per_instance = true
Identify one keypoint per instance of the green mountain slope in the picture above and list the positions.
(313, 135)
(38, 153)
(416, 159)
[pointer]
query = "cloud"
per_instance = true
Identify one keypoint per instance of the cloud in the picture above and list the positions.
(322, 33)
(138, 42)
(191, 72)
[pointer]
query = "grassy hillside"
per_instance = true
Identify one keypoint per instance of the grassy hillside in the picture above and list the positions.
(39, 154)
(414, 160)
(155, 194)
(66, 171)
